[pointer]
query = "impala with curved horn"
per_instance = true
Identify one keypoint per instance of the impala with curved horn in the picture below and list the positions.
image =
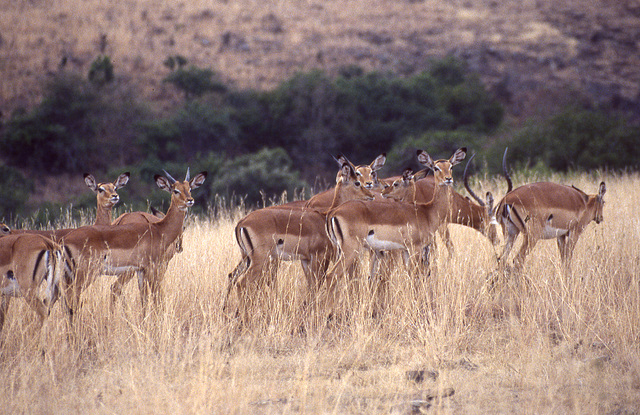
(271, 234)
(136, 247)
(356, 227)
(546, 210)
(26, 261)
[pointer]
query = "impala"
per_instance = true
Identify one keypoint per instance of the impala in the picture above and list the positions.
(546, 210)
(106, 195)
(26, 261)
(278, 233)
(358, 226)
(136, 247)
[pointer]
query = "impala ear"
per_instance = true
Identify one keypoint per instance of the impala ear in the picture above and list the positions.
(122, 180)
(602, 190)
(378, 162)
(407, 174)
(458, 156)
(162, 183)
(347, 172)
(198, 179)
(421, 174)
(425, 159)
(91, 182)
(341, 159)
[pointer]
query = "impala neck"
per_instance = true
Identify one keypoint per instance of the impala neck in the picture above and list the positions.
(103, 216)
(172, 224)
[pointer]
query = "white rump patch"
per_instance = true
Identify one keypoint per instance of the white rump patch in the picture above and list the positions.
(381, 244)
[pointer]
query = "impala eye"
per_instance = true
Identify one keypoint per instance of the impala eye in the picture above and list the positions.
(396, 184)
(176, 191)
(356, 184)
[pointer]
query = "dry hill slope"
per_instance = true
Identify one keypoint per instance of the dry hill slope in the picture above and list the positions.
(531, 52)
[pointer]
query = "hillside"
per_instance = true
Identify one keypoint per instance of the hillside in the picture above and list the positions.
(535, 55)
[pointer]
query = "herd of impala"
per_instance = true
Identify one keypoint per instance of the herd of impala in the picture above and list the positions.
(329, 234)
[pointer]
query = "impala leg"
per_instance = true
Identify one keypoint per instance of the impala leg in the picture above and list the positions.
(530, 241)
(510, 234)
(443, 231)
(143, 286)
(566, 245)
(118, 285)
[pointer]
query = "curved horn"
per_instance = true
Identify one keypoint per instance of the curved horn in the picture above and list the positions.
(466, 182)
(186, 179)
(171, 179)
(504, 170)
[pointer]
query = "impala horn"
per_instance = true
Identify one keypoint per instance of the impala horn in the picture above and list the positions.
(466, 182)
(171, 179)
(504, 170)
(186, 179)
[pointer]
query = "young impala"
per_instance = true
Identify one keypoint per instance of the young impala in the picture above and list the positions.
(136, 247)
(357, 227)
(278, 233)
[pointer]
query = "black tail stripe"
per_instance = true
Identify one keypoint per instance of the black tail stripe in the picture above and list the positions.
(38, 261)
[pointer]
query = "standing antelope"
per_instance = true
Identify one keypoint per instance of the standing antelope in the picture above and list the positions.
(137, 247)
(547, 210)
(279, 233)
(26, 261)
(356, 226)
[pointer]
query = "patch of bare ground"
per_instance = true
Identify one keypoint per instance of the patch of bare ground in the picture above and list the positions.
(536, 55)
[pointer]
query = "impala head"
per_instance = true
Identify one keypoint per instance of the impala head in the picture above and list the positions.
(442, 168)
(180, 191)
(598, 201)
(404, 188)
(349, 185)
(107, 192)
(367, 174)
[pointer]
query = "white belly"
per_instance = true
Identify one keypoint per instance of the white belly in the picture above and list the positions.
(382, 245)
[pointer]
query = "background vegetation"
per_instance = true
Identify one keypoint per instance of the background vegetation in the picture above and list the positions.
(257, 144)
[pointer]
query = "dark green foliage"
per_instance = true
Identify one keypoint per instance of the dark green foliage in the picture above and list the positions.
(578, 140)
(56, 136)
(101, 71)
(14, 191)
(260, 176)
(194, 81)
(177, 60)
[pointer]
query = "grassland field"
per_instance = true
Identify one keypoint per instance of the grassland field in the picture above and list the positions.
(540, 342)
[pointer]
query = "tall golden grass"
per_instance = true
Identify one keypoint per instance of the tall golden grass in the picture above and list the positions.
(540, 342)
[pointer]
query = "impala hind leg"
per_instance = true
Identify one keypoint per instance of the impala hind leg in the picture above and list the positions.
(566, 245)
(118, 285)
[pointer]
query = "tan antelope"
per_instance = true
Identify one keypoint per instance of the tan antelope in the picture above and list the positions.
(356, 226)
(546, 210)
(276, 233)
(135, 247)
(26, 261)
(106, 195)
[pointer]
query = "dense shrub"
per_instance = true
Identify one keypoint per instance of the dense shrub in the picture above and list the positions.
(579, 139)
(194, 81)
(259, 177)
(14, 191)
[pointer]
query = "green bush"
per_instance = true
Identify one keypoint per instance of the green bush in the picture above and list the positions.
(15, 189)
(578, 139)
(259, 177)
(194, 81)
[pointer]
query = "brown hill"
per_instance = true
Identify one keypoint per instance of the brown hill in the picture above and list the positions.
(536, 55)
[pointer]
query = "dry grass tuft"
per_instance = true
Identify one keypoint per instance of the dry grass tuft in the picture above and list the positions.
(538, 343)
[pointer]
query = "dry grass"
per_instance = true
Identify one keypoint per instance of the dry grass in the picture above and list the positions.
(539, 343)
